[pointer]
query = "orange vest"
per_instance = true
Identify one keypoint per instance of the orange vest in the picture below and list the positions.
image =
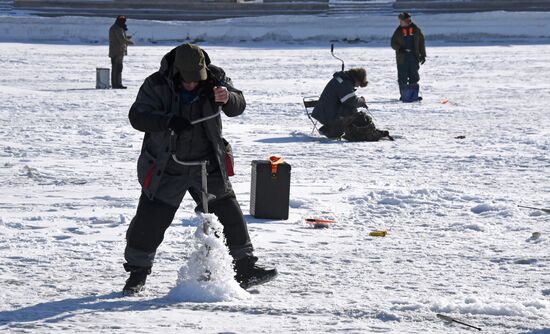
(409, 31)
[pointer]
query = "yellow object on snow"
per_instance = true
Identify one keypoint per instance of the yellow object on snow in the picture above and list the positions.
(378, 233)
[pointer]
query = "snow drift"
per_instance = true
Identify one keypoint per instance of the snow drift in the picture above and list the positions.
(366, 28)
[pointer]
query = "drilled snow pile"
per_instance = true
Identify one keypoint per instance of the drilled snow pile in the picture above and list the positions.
(208, 275)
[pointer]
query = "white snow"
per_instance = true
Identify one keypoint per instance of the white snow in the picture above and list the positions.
(458, 243)
(208, 274)
(491, 307)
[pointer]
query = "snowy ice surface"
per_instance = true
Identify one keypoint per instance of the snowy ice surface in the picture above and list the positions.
(457, 244)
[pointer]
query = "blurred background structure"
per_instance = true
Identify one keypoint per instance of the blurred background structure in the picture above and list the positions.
(218, 9)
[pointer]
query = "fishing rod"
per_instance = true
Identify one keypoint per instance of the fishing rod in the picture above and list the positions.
(449, 319)
(332, 53)
(533, 208)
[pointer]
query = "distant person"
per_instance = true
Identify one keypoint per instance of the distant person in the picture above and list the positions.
(337, 109)
(186, 88)
(410, 49)
(118, 48)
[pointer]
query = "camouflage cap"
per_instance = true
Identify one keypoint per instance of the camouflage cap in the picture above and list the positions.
(404, 16)
(190, 63)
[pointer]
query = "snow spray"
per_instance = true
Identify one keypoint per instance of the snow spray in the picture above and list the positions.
(208, 275)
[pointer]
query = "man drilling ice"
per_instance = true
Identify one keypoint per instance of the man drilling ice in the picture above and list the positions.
(183, 98)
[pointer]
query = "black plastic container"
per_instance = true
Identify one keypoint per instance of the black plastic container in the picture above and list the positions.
(270, 190)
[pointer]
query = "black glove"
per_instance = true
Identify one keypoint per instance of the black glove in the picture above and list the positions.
(363, 102)
(179, 124)
(422, 60)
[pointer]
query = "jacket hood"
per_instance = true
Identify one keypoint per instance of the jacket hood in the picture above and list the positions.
(167, 63)
(343, 75)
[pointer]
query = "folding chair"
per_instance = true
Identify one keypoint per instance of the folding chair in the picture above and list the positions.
(311, 102)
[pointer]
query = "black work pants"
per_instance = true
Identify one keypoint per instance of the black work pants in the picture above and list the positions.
(116, 71)
(153, 217)
(407, 72)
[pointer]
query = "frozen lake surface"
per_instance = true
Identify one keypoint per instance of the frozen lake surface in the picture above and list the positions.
(457, 244)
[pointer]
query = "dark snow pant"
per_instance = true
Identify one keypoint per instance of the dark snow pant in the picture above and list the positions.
(407, 72)
(116, 71)
(408, 77)
(336, 128)
(153, 217)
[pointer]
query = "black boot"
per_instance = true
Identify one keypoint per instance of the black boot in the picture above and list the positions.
(136, 282)
(249, 274)
(401, 91)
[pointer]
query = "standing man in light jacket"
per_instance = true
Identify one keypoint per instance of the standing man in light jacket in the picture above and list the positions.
(410, 52)
(118, 48)
(186, 88)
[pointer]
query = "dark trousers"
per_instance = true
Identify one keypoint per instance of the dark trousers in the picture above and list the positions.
(116, 71)
(336, 128)
(153, 217)
(407, 72)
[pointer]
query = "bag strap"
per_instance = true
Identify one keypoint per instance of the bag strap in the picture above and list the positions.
(275, 161)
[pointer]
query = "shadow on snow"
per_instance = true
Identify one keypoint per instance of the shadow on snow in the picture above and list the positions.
(56, 311)
(297, 139)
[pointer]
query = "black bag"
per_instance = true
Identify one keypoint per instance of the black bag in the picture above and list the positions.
(270, 189)
(362, 128)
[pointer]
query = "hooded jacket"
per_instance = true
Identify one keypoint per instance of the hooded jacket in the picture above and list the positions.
(338, 99)
(398, 43)
(158, 100)
(118, 41)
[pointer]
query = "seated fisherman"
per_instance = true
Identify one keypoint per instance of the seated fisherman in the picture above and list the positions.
(337, 109)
